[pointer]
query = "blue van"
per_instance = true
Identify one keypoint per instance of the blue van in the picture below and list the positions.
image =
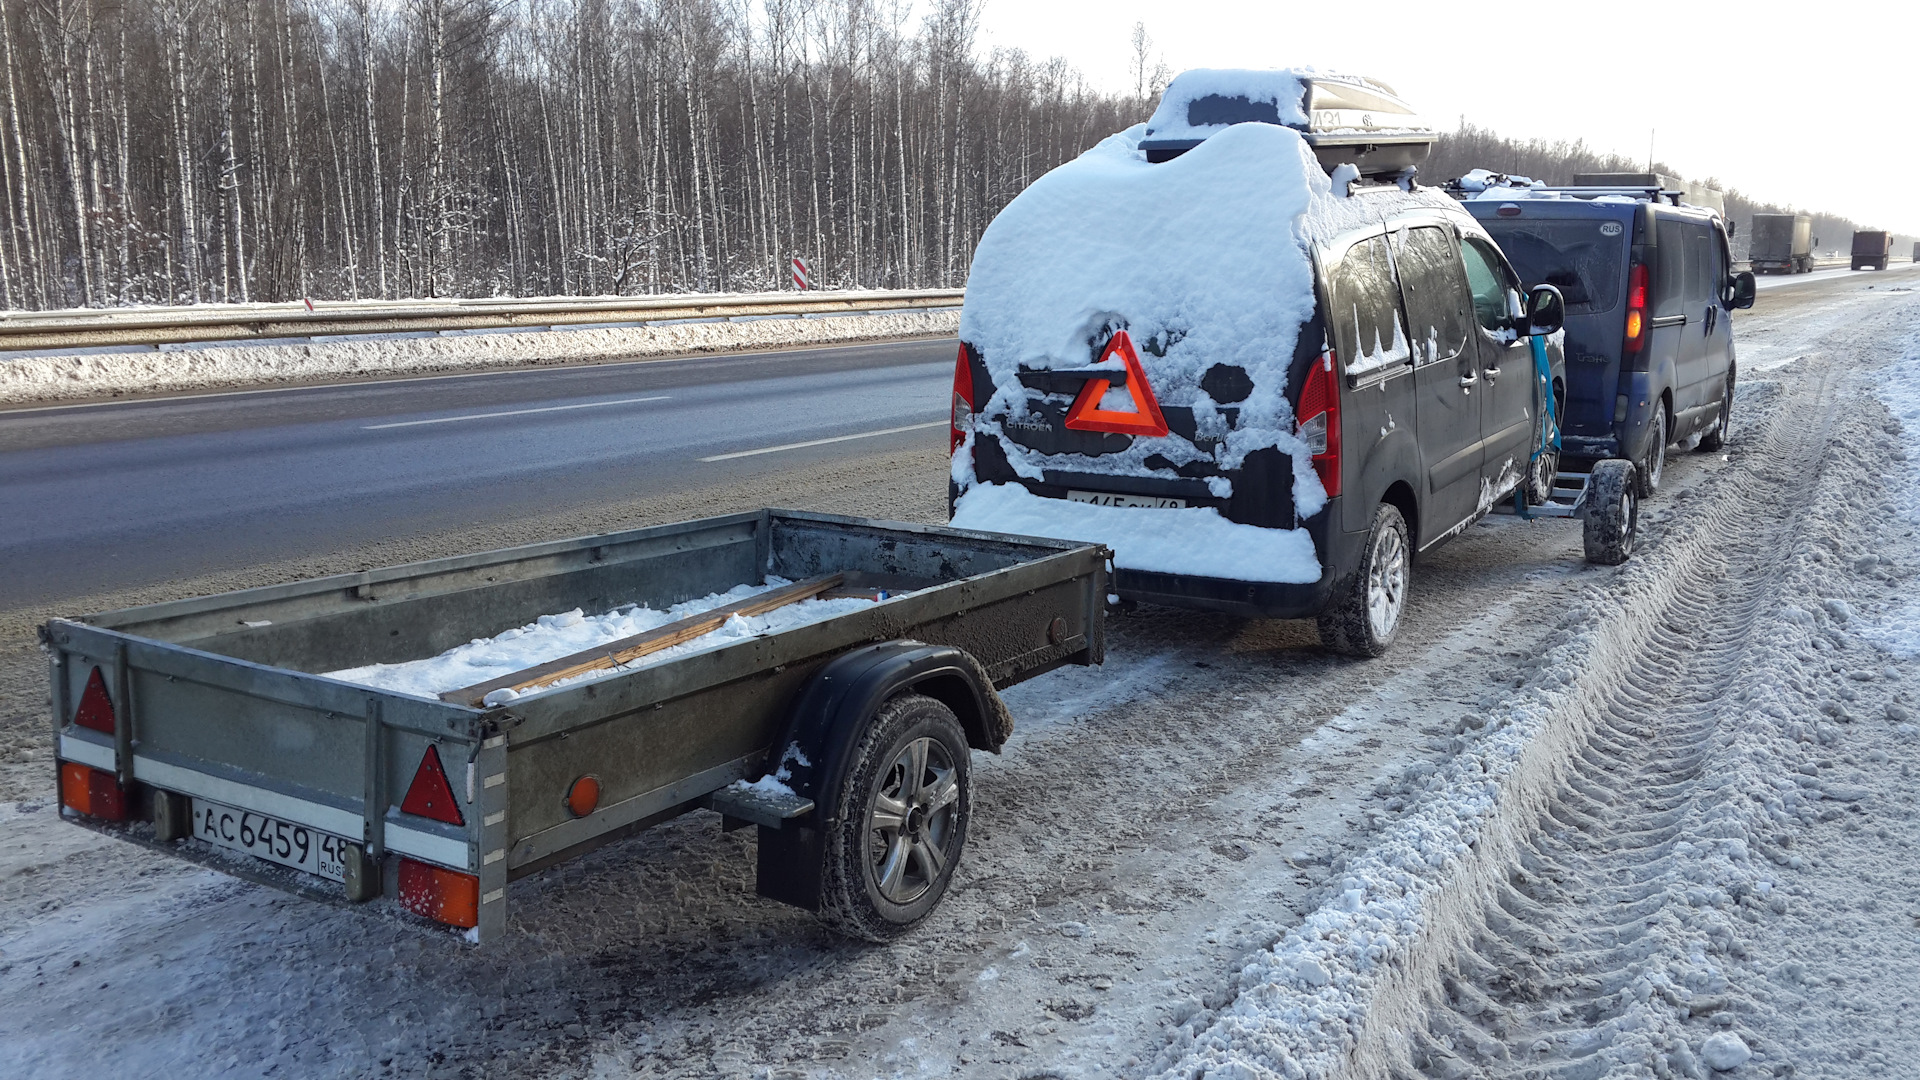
(1649, 289)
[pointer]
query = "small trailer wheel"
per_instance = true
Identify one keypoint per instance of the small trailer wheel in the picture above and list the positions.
(1613, 512)
(901, 821)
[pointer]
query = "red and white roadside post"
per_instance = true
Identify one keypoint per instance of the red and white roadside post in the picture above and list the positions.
(802, 276)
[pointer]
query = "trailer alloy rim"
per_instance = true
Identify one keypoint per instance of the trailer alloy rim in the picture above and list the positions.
(911, 821)
(1387, 583)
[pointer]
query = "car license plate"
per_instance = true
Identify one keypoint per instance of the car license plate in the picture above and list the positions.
(1107, 498)
(271, 839)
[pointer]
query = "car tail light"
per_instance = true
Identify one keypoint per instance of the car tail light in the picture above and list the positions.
(1636, 308)
(430, 796)
(96, 708)
(962, 420)
(446, 896)
(92, 792)
(1319, 425)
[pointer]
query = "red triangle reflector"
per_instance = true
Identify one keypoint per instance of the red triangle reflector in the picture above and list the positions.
(96, 708)
(430, 796)
(1145, 419)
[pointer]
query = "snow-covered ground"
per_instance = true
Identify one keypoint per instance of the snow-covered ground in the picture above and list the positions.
(102, 374)
(1582, 822)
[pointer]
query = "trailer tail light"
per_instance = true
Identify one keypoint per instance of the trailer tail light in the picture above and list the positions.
(1636, 309)
(584, 796)
(962, 419)
(445, 896)
(430, 796)
(96, 708)
(1319, 425)
(92, 792)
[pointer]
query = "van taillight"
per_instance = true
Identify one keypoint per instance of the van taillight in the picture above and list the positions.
(962, 418)
(1319, 425)
(1636, 308)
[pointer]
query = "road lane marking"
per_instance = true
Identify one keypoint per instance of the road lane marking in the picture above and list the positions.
(823, 442)
(513, 412)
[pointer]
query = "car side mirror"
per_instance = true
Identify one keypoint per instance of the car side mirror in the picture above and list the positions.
(1733, 228)
(1740, 294)
(1546, 310)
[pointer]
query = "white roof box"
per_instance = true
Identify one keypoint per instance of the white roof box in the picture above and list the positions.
(1345, 119)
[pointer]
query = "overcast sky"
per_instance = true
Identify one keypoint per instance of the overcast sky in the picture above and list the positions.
(1819, 108)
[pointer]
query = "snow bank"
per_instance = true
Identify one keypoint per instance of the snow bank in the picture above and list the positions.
(1191, 541)
(58, 378)
(552, 636)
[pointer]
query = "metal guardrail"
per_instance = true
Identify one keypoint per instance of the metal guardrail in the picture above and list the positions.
(158, 327)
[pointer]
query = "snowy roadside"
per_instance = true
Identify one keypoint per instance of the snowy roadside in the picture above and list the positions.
(61, 378)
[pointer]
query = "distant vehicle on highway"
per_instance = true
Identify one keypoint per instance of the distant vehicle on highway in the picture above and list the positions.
(1781, 244)
(1916, 251)
(1261, 379)
(1649, 283)
(1871, 249)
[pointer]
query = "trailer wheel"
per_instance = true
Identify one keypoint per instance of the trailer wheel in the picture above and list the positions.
(1613, 512)
(901, 821)
(1366, 611)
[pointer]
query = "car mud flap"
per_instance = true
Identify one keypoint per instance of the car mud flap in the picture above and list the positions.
(829, 716)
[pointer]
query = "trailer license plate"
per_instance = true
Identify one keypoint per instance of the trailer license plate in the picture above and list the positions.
(1107, 498)
(271, 839)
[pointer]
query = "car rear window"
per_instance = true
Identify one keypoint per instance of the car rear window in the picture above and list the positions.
(1581, 258)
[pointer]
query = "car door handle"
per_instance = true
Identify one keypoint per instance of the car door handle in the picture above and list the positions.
(1469, 380)
(1492, 373)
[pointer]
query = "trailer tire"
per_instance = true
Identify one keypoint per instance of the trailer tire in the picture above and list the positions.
(1366, 611)
(894, 839)
(1613, 512)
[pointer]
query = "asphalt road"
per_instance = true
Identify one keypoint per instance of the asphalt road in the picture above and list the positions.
(129, 493)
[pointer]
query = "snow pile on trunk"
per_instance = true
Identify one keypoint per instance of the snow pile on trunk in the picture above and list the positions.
(553, 636)
(61, 378)
(1196, 540)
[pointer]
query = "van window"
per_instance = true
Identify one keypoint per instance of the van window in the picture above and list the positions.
(1488, 281)
(1583, 258)
(1366, 309)
(1685, 274)
(1435, 288)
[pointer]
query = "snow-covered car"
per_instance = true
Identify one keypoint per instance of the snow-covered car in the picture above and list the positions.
(1650, 289)
(1265, 388)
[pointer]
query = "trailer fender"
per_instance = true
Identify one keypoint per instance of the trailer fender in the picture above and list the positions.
(827, 719)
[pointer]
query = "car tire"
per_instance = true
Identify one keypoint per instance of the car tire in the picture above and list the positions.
(1613, 512)
(900, 823)
(1652, 466)
(1716, 437)
(1542, 470)
(1366, 611)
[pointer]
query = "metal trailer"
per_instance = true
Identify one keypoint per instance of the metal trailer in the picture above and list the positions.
(198, 727)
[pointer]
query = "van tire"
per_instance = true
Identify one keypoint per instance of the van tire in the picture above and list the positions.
(1652, 466)
(858, 895)
(1613, 512)
(1366, 612)
(1716, 436)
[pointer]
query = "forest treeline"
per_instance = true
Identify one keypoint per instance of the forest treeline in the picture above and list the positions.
(184, 151)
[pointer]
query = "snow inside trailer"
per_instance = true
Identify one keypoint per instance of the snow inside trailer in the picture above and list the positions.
(1200, 270)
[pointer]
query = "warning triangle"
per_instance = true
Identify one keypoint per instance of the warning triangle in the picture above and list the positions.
(429, 795)
(96, 708)
(1145, 419)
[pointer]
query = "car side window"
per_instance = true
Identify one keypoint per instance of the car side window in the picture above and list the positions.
(1366, 310)
(1682, 271)
(1435, 288)
(1488, 281)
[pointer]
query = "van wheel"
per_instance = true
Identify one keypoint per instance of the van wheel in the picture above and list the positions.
(900, 823)
(1365, 614)
(1716, 439)
(1652, 464)
(1613, 512)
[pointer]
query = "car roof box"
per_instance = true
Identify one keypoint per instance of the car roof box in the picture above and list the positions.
(1345, 119)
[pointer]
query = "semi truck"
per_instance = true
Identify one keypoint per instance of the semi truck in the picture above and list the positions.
(244, 731)
(1871, 248)
(1781, 244)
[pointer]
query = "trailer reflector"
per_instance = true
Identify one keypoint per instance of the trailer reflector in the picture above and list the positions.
(583, 796)
(430, 796)
(92, 792)
(446, 896)
(96, 708)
